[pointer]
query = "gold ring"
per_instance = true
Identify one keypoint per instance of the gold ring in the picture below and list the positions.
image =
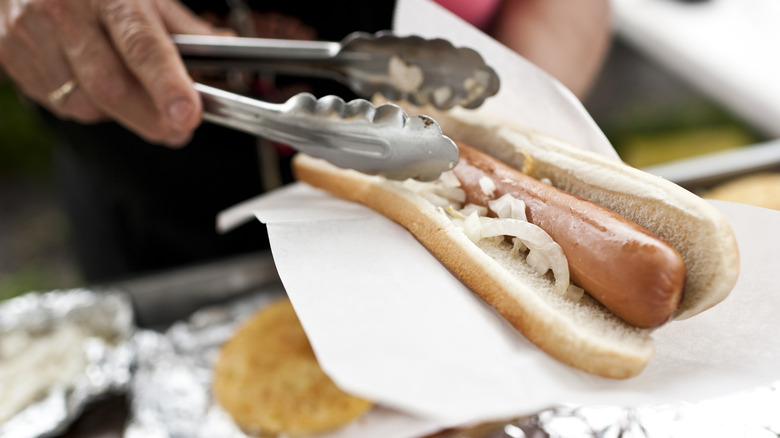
(60, 95)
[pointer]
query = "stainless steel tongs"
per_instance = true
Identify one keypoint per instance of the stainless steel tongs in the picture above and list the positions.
(378, 140)
(422, 71)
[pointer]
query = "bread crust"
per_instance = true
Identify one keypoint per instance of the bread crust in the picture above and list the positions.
(581, 334)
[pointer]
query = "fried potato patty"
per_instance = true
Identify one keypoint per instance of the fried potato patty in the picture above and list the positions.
(268, 379)
(761, 190)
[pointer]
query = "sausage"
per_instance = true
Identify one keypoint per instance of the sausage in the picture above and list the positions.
(628, 269)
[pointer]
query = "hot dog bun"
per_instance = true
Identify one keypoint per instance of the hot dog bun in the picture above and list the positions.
(691, 225)
(582, 333)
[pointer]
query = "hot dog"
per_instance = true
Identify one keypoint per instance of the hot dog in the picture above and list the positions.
(611, 338)
(632, 272)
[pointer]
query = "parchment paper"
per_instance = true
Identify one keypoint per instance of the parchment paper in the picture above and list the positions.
(390, 323)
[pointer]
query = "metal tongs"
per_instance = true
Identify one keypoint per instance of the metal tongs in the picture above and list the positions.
(422, 71)
(380, 140)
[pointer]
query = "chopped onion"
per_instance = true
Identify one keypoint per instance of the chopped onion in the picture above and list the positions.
(574, 292)
(538, 261)
(544, 254)
(472, 227)
(476, 85)
(537, 240)
(441, 95)
(435, 199)
(487, 185)
(449, 178)
(418, 186)
(470, 208)
(508, 206)
(518, 246)
(454, 194)
(442, 193)
(404, 76)
(532, 235)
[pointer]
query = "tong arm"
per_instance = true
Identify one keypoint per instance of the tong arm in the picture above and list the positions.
(377, 140)
(256, 49)
(422, 71)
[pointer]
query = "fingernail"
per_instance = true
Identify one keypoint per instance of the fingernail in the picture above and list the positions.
(180, 112)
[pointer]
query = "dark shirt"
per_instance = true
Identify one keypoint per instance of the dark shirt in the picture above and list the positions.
(136, 207)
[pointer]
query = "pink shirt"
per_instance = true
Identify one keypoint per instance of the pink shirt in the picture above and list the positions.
(477, 12)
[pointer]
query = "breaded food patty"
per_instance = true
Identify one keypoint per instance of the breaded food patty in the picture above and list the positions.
(268, 379)
(761, 190)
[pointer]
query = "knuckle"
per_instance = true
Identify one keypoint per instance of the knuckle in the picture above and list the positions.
(21, 26)
(139, 43)
(134, 33)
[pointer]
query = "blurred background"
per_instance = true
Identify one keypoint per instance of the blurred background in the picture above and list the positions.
(652, 116)
(34, 253)
(652, 113)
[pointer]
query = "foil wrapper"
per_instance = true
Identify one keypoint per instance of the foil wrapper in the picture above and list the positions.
(752, 413)
(167, 378)
(170, 394)
(59, 351)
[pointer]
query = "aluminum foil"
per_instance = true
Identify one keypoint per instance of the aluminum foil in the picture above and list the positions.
(170, 395)
(753, 413)
(167, 378)
(59, 351)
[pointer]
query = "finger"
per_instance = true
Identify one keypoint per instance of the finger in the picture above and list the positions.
(108, 83)
(34, 59)
(75, 105)
(51, 64)
(144, 45)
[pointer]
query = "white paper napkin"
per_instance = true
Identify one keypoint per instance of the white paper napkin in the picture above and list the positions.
(390, 323)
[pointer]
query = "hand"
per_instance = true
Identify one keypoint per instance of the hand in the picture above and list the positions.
(119, 55)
